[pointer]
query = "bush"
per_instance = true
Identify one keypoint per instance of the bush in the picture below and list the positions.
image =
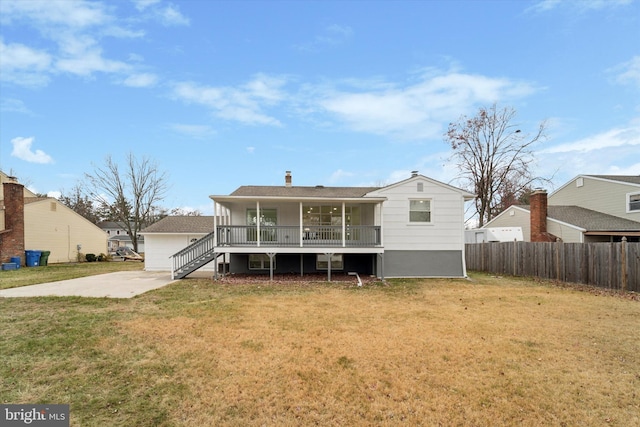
(90, 257)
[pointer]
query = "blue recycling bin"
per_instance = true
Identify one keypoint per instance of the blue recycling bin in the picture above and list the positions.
(17, 261)
(33, 258)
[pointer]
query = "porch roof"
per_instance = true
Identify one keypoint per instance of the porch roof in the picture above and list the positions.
(300, 193)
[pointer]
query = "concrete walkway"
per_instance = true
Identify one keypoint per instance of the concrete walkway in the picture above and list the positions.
(123, 284)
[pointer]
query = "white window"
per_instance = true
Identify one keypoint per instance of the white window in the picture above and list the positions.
(322, 262)
(420, 211)
(260, 262)
(633, 202)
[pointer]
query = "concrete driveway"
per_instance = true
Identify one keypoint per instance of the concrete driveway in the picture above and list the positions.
(123, 284)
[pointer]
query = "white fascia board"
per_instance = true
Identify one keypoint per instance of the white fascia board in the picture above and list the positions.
(365, 199)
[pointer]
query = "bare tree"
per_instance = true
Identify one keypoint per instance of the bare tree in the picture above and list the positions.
(130, 196)
(79, 202)
(494, 157)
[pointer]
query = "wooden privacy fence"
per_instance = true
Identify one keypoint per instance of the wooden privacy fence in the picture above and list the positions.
(606, 265)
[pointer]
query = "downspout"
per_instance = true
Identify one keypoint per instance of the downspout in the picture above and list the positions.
(344, 226)
(464, 255)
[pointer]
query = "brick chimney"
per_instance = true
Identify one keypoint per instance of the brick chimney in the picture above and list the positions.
(12, 237)
(538, 213)
(287, 179)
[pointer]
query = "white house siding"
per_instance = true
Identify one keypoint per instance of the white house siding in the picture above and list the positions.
(445, 232)
(600, 195)
(51, 226)
(422, 250)
(161, 246)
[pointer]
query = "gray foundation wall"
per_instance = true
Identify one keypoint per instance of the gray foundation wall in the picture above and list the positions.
(422, 264)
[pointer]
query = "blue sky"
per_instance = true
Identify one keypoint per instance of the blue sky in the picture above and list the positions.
(342, 93)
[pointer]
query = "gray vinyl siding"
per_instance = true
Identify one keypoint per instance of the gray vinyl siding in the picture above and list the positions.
(423, 264)
(597, 194)
(564, 232)
(514, 217)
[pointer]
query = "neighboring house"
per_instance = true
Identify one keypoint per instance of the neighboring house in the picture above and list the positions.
(413, 228)
(589, 208)
(47, 225)
(171, 234)
(119, 237)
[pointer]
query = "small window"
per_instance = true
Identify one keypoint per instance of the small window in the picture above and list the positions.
(420, 187)
(420, 211)
(260, 262)
(54, 207)
(634, 202)
(322, 262)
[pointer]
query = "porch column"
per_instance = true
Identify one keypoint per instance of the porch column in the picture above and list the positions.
(258, 223)
(344, 226)
(329, 256)
(300, 220)
(381, 256)
(271, 255)
(215, 224)
(381, 216)
(301, 265)
(215, 270)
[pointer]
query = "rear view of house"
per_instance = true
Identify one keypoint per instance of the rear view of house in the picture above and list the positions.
(413, 228)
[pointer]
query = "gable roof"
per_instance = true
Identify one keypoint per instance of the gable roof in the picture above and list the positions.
(181, 224)
(467, 196)
(301, 191)
(587, 219)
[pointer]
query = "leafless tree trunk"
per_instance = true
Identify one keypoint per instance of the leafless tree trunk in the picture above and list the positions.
(494, 157)
(130, 195)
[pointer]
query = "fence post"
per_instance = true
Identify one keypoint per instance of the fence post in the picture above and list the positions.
(558, 246)
(623, 263)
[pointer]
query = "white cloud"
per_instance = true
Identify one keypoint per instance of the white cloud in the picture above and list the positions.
(70, 14)
(73, 33)
(89, 62)
(23, 65)
(613, 138)
(143, 4)
(582, 5)
(417, 110)
(251, 150)
(244, 104)
(628, 72)
(170, 15)
(612, 152)
(22, 150)
(11, 105)
(141, 80)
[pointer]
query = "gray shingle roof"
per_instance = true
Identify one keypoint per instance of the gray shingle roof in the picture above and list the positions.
(182, 224)
(590, 220)
(298, 191)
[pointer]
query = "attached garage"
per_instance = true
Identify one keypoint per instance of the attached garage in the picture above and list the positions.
(170, 235)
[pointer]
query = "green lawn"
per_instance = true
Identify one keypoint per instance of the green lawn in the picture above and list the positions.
(54, 272)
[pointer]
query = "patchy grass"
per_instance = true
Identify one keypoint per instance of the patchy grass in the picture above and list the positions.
(491, 351)
(25, 276)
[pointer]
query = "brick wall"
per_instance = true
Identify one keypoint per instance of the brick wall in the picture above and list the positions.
(12, 239)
